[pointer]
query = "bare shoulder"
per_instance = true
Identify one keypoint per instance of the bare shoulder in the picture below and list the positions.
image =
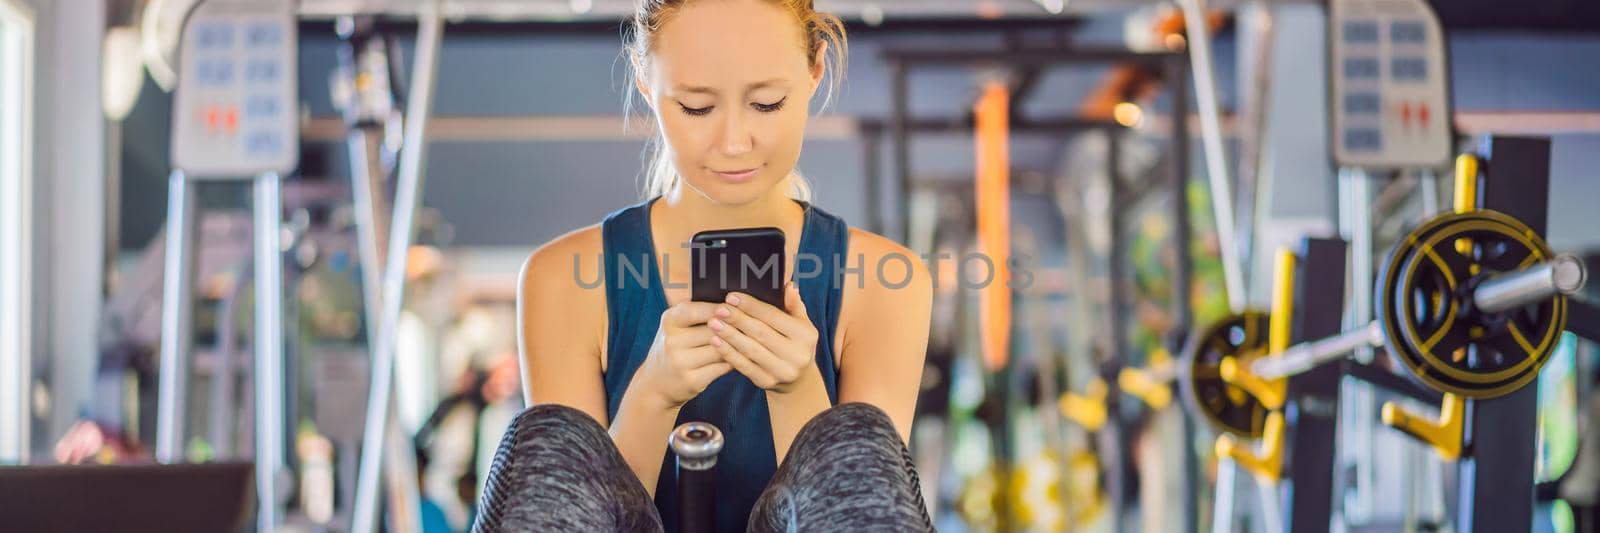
(561, 310)
(563, 262)
(886, 266)
(887, 286)
(562, 288)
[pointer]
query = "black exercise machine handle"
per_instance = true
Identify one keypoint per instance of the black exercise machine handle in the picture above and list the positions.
(696, 444)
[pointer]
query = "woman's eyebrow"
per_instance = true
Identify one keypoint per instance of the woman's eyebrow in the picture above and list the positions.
(708, 90)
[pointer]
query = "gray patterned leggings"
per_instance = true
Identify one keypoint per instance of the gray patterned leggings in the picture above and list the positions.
(557, 470)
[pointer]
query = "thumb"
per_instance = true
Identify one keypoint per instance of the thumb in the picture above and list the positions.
(792, 302)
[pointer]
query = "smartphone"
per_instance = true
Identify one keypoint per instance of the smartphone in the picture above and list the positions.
(747, 260)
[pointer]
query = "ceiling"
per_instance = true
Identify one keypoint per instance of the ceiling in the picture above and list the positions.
(867, 10)
(1568, 15)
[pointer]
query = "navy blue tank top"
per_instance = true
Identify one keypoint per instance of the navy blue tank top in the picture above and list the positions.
(732, 402)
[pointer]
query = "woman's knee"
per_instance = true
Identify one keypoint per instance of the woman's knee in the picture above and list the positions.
(551, 414)
(557, 469)
(541, 431)
(860, 413)
(848, 426)
(854, 418)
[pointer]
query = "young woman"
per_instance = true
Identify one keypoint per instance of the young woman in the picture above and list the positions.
(814, 399)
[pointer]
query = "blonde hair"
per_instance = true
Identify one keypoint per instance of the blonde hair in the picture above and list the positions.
(660, 177)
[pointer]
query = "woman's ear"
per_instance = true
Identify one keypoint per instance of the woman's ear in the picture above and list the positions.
(819, 67)
(640, 83)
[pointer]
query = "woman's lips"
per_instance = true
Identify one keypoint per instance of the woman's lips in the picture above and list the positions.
(737, 175)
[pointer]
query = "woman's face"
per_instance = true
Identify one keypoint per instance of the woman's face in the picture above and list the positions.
(730, 85)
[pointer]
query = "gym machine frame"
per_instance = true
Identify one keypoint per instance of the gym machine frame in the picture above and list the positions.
(1174, 67)
(1495, 470)
(1496, 436)
(1299, 443)
(226, 157)
(176, 338)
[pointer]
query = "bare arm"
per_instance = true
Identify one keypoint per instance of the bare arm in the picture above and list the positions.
(885, 343)
(560, 339)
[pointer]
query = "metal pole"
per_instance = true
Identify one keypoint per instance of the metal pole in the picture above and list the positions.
(1562, 275)
(1205, 89)
(269, 349)
(1355, 221)
(408, 196)
(1183, 318)
(224, 378)
(113, 205)
(900, 112)
(1360, 232)
(177, 278)
(872, 156)
(1256, 103)
(1430, 192)
(368, 216)
(1121, 459)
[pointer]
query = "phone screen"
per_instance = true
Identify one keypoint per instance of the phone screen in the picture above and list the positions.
(747, 260)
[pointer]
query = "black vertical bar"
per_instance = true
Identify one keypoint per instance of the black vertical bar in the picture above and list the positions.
(1312, 407)
(1583, 318)
(900, 113)
(697, 500)
(1120, 439)
(1120, 463)
(1178, 77)
(1496, 473)
(1115, 260)
(872, 176)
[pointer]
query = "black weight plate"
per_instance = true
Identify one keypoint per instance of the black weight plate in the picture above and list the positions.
(1226, 406)
(1385, 303)
(1448, 345)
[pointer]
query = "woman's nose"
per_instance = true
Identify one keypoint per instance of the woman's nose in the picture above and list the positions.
(736, 137)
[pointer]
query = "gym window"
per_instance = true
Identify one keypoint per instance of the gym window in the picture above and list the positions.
(16, 177)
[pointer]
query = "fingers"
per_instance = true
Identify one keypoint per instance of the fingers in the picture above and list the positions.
(688, 360)
(793, 323)
(771, 364)
(744, 365)
(734, 318)
(703, 376)
(690, 337)
(688, 314)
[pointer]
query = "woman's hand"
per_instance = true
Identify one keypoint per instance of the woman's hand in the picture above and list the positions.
(775, 348)
(682, 362)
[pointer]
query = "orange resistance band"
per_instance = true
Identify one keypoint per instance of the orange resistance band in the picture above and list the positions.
(994, 220)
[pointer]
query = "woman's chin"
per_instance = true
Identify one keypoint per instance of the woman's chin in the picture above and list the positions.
(735, 194)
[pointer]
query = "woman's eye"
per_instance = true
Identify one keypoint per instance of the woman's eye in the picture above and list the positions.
(770, 108)
(696, 111)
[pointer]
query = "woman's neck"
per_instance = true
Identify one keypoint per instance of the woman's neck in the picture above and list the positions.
(694, 212)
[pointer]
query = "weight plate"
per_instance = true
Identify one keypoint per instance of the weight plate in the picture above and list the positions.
(1225, 405)
(1432, 328)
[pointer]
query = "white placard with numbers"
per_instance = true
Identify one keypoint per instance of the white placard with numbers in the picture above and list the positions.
(234, 114)
(1390, 98)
